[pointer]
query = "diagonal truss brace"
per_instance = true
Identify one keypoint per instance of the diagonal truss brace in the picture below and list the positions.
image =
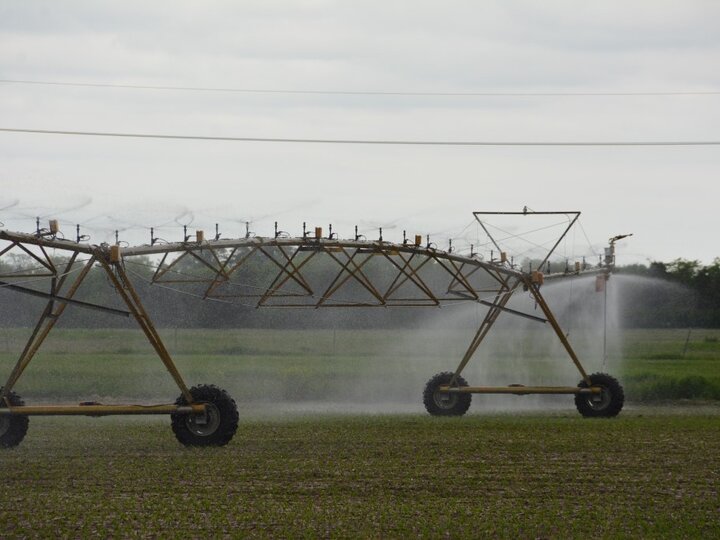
(57, 303)
(45, 324)
(407, 260)
(497, 307)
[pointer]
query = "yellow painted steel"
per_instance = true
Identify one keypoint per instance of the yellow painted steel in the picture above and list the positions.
(45, 325)
(101, 410)
(115, 254)
(127, 292)
(535, 291)
(490, 317)
(351, 258)
(519, 390)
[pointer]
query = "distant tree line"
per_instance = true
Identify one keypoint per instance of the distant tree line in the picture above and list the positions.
(180, 305)
(681, 293)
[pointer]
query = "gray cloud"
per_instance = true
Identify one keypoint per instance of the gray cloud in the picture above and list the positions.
(391, 46)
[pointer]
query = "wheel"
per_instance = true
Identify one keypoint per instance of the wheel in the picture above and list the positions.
(445, 403)
(214, 428)
(12, 427)
(604, 405)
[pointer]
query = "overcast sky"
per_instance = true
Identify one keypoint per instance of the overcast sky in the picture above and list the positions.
(666, 196)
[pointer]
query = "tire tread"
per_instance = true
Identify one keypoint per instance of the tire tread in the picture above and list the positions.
(17, 424)
(617, 397)
(462, 403)
(229, 417)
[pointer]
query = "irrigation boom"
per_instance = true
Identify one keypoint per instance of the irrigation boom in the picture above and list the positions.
(310, 271)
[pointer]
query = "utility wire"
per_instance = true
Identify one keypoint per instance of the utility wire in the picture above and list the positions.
(360, 141)
(356, 92)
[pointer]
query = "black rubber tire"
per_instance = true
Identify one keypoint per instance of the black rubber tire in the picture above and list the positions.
(607, 404)
(13, 428)
(216, 427)
(445, 403)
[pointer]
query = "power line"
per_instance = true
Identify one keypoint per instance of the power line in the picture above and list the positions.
(361, 93)
(359, 141)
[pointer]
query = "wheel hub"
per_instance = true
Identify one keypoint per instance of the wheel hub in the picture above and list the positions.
(600, 401)
(204, 424)
(445, 400)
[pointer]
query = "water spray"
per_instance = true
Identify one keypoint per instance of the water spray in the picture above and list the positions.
(205, 415)
(601, 284)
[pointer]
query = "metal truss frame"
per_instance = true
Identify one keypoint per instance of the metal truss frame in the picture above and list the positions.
(404, 284)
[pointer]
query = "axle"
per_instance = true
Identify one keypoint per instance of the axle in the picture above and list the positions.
(100, 410)
(519, 390)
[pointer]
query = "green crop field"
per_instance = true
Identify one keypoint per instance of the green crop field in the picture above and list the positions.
(354, 366)
(550, 476)
(535, 469)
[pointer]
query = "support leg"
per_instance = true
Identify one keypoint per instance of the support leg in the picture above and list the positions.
(47, 321)
(535, 291)
(217, 425)
(490, 317)
(125, 289)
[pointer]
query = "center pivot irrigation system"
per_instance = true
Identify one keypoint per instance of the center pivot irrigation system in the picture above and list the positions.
(313, 271)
